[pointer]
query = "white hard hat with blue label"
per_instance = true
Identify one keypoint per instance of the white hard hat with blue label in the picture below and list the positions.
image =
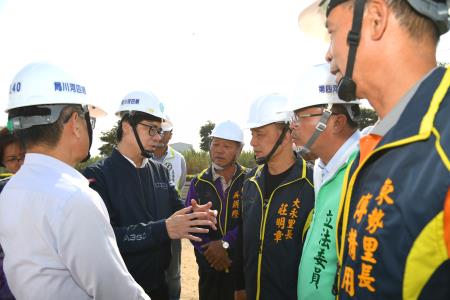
(142, 101)
(43, 84)
(136, 105)
(317, 87)
(40, 92)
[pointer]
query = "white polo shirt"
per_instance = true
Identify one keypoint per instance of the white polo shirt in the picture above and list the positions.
(57, 238)
(176, 164)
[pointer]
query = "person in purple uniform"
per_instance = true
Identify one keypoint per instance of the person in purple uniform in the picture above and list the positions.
(221, 183)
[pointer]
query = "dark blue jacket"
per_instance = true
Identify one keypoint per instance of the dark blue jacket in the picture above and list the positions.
(138, 202)
(272, 236)
(395, 246)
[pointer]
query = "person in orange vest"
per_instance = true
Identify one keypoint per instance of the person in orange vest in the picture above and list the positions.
(395, 224)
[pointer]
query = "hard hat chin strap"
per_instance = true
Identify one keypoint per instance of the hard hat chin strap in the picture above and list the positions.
(265, 159)
(144, 153)
(320, 127)
(87, 118)
(347, 87)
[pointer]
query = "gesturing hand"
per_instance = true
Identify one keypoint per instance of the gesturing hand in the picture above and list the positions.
(183, 223)
(212, 214)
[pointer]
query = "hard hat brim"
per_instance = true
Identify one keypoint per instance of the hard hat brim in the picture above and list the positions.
(311, 21)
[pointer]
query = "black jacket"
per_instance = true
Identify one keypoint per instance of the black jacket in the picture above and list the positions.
(271, 237)
(138, 202)
(206, 190)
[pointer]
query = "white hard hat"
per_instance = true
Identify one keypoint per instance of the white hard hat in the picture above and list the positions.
(312, 20)
(167, 124)
(266, 110)
(142, 101)
(228, 130)
(317, 87)
(45, 84)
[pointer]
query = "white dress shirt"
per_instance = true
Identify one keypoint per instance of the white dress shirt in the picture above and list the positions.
(57, 239)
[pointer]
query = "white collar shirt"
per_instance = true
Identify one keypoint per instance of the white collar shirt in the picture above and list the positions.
(57, 239)
(144, 161)
(176, 165)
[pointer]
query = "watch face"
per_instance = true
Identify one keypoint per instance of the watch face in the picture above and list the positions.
(225, 245)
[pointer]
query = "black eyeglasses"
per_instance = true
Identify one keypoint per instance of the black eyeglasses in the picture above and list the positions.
(14, 159)
(153, 130)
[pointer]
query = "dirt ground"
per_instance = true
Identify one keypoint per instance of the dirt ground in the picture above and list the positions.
(189, 272)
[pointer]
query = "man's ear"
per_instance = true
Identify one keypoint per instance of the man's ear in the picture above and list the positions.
(338, 124)
(377, 18)
(126, 128)
(288, 137)
(73, 125)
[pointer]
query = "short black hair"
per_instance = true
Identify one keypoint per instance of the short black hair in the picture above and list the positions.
(133, 118)
(341, 109)
(48, 134)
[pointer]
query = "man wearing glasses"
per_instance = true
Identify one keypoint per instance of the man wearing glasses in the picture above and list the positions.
(327, 127)
(11, 152)
(144, 207)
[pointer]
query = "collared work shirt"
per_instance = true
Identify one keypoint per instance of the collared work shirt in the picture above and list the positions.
(57, 238)
(225, 185)
(176, 164)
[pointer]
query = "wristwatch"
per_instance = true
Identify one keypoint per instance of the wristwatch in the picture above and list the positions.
(225, 245)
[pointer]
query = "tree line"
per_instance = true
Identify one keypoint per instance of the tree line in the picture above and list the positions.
(196, 161)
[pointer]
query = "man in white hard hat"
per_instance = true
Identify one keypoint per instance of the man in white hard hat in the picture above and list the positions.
(176, 165)
(144, 206)
(220, 183)
(54, 229)
(326, 126)
(276, 201)
(396, 215)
